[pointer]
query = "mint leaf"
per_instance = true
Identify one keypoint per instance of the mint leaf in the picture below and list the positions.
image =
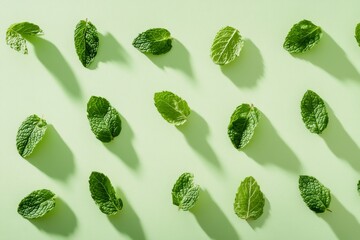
(226, 46)
(30, 133)
(242, 124)
(185, 193)
(86, 42)
(172, 108)
(37, 204)
(155, 41)
(103, 194)
(313, 112)
(303, 36)
(316, 196)
(357, 33)
(17, 32)
(104, 120)
(249, 200)
(358, 186)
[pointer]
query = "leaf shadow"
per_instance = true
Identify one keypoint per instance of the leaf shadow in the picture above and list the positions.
(339, 141)
(127, 221)
(342, 222)
(109, 50)
(212, 220)
(122, 146)
(329, 56)
(52, 59)
(52, 156)
(60, 221)
(267, 147)
(258, 223)
(195, 131)
(247, 69)
(177, 58)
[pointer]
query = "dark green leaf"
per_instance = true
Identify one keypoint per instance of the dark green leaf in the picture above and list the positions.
(37, 204)
(86, 42)
(103, 194)
(303, 36)
(242, 125)
(155, 41)
(316, 196)
(313, 112)
(104, 120)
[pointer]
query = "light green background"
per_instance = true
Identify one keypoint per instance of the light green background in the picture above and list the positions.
(149, 155)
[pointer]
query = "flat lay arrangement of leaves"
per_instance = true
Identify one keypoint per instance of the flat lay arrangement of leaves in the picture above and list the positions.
(106, 124)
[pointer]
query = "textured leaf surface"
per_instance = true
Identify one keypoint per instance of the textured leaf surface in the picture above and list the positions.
(104, 120)
(242, 124)
(16, 34)
(185, 193)
(226, 46)
(303, 36)
(316, 196)
(155, 41)
(172, 108)
(86, 42)
(37, 204)
(103, 194)
(249, 200)
(313, 112)
(30, 133)
(357, 33)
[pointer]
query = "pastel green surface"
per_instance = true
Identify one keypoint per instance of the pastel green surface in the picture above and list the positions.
(149, 154)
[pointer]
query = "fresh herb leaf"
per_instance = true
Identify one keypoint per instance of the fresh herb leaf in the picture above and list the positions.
(357, 33)
(16, 35)
(303, 36)
(242, 125)
(313, 112)
(185, 193)
(249, 200)
(226, 46)
(172, 108)
(316, 196)
(104, 194)
(86, 42)
(37, 204)
(30, 133)
(358, 186)
(155, 41)
(104, 120)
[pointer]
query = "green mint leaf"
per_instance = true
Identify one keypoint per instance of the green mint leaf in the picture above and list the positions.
(30, 133)
(242, 125)
(155, 41)
(37, 204)
(249, 200)
(86, 42)
(185, 193)
(313, 112)
(103, 194)
(303, 36)
(104, 120)
(316, 196)
(17, 32)
(358, 186)
(357, 33)
(172, 108)
(226, 46)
